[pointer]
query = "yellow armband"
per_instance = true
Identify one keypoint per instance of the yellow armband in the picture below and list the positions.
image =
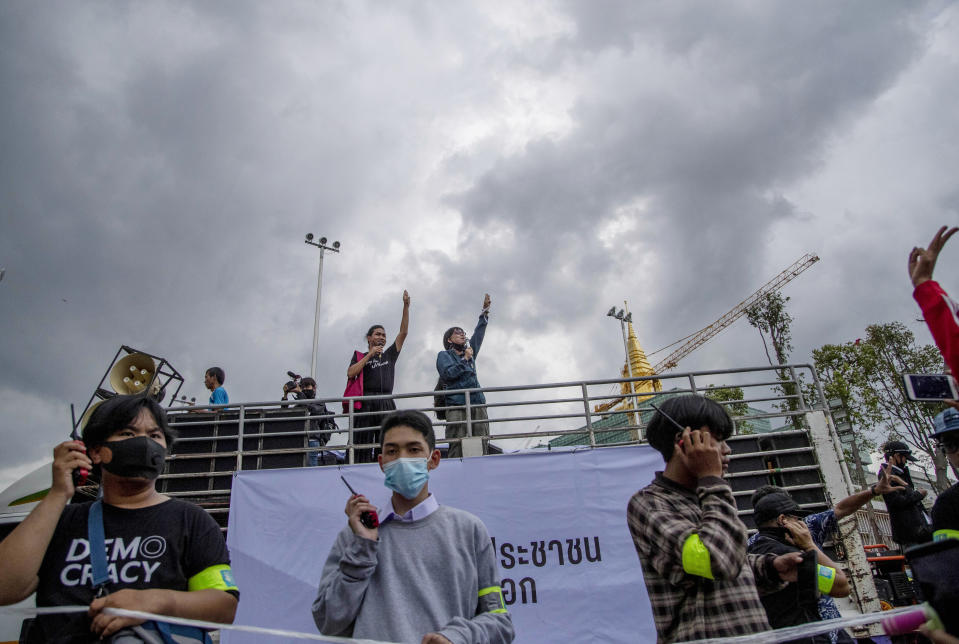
(825, 578)
(219, 577)
(942, 535)
(491, 598)
(696, 557)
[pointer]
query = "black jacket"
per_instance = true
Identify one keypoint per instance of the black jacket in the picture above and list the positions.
(798, 601)
(906, 514)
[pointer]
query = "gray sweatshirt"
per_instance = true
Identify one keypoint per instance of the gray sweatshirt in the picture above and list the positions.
(420, 577)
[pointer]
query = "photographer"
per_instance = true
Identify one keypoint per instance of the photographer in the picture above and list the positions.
(320, 428)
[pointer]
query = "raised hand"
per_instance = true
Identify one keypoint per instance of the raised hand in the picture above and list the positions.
(799, 533)
(68, 456)
(701, 453)
(922, 261)
(406, 298)
(486, 302)
(888, 482)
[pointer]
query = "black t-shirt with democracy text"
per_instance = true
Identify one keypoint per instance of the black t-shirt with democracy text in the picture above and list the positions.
(378, 372)
(161, 546)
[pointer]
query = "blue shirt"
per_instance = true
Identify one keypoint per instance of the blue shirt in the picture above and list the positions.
(219, 396)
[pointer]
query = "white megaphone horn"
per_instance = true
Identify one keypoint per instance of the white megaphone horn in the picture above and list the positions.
(132, 374)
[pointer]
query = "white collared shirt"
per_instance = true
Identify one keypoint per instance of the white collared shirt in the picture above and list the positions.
(421, 510)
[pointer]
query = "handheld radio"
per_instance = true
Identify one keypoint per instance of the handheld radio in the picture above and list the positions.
(368, 518)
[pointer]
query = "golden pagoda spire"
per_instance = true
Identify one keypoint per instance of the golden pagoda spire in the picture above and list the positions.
(638, 364)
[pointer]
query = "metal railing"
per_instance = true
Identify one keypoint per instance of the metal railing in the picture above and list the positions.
(522, 415)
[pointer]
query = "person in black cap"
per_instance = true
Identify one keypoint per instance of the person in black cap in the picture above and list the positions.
(781, 531)
(910, 524)
(945, 512)
(824, 526)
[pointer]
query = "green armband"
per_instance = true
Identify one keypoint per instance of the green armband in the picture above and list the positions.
(696, 557)
(491, 598)
(825, 578)
(218, 577)
(942, 535)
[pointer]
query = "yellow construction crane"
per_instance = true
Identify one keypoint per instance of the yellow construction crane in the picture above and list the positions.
(639, 365)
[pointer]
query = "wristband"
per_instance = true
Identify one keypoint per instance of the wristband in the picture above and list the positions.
(872, 488)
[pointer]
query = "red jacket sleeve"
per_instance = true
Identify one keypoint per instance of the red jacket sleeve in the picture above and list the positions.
(942, 316)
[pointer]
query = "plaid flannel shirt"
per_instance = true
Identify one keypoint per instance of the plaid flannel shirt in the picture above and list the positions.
(661, 517)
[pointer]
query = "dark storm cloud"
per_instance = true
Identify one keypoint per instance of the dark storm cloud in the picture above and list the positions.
(755, 100)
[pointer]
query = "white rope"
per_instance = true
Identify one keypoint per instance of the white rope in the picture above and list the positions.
(29, 611)
(765, 637)
(808, 630)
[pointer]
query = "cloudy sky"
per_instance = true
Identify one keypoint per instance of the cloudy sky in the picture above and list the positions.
(161, 163)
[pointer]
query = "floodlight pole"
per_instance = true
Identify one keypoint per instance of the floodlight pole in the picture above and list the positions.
(623, 319)
(335, 248)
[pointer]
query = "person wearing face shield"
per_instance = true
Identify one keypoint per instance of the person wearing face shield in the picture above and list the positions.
(163, 555)
(456, 365)
(377, 367)
(426, 573)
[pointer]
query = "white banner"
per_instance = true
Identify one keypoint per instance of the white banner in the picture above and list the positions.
(558, 521)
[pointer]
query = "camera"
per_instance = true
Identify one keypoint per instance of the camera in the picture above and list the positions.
(293, 384)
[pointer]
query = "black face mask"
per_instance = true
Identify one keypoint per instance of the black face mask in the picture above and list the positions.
(139, 457)
(308, 393)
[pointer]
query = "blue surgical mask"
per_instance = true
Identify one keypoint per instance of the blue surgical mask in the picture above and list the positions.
(406, 476)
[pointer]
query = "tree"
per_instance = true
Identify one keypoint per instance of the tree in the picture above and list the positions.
(727, 397)
(769, 317)
(867, 376)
